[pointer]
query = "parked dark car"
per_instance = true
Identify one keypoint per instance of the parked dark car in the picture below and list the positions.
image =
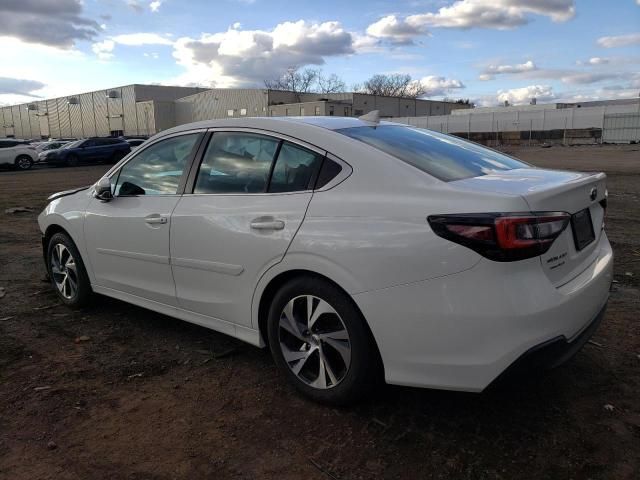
(94, 149)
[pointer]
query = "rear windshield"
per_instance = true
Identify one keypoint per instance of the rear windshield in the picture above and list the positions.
(443, 156)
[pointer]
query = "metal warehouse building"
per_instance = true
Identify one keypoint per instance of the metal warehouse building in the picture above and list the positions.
(148, 109)
(233, 102)
(128, 110)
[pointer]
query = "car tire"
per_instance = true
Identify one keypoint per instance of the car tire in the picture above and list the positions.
(327, 352)
(115, 157)
(73, 161)
(23, 162)
(67, 272)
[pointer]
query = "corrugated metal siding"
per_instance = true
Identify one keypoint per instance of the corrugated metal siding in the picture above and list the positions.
(75, 112)
(24, 118)
(146, 118)
(34, 123)
(218, 102)
(100, 105)
(184, 112)
(160, 93)
(87, 115)
(17, 121)
(129, 110)
(621, 128)
(114, 109)
(54, 121)
(64, 114)
(7, 122)
(164, 114)
(43, 118)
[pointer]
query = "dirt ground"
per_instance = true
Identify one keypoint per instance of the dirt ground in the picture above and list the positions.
(114, 391)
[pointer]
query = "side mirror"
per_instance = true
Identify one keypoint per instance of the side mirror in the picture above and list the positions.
(102, 190)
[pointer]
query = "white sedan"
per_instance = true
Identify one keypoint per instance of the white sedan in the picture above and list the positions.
(354, 249)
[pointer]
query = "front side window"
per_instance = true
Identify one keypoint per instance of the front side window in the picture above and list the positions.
(236, 163)
(157, 169)
(445, 157)
(293, 169)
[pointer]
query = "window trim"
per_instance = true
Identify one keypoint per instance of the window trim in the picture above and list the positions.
(195, 151)
(191, 181)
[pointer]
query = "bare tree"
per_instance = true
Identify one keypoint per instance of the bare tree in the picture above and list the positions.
(295, 80)
(330, 84)
(394, 85)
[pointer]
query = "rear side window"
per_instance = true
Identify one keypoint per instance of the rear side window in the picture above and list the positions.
(443, 156)
(328, 172)
(236, 163)
(293, 169)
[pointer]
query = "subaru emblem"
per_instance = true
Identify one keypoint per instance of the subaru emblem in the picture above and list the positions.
(594, 193)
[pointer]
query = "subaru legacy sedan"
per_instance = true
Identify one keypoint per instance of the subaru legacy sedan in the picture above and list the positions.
(353, 249)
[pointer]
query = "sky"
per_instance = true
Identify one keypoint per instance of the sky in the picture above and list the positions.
(489, 51)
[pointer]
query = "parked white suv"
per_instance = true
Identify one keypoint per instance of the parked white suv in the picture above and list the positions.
(17, 153)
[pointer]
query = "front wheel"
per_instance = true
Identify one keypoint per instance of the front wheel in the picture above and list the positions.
(320, 342)
(24, 162)
(66, 271)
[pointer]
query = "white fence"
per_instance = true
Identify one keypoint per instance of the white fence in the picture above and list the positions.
(524, 121)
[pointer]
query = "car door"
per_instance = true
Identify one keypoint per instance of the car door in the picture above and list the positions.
(6, 151)
(128, 237)
(87, 150)
(238, 220)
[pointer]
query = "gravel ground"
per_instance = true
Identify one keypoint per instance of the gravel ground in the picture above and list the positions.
(114, 391)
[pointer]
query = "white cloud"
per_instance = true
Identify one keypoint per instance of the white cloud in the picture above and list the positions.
(440, 86)
(619, 40)
(155, 5)
(248, 57)
(499, 14)
(104, 49)
(138, 39)
(495, 14)
(516, 96)
(492, 70)
(153, 55)
(395, 30)
(599, 60)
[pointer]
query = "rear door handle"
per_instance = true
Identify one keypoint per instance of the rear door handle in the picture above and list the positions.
(155, 220)
(266, 223)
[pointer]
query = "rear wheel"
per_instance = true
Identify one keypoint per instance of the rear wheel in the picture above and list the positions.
(73, 160)
(320, 342)
(115, 157)
(66, 271)
(23, 162)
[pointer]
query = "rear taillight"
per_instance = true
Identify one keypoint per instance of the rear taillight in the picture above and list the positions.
(503, 237)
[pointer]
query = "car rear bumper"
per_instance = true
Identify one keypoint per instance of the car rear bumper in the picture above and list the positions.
(460, 332)
(554, 352)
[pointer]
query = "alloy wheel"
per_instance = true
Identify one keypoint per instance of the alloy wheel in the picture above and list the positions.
(314, 341)
(24, 163)
(64, 271)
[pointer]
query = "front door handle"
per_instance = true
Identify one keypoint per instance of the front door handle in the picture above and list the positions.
(155, 220)
(266, 223)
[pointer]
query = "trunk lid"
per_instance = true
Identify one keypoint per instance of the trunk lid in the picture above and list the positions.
(555, 191)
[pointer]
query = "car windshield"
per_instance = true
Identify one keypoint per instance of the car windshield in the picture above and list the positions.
(443, 156)
(75, 144)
